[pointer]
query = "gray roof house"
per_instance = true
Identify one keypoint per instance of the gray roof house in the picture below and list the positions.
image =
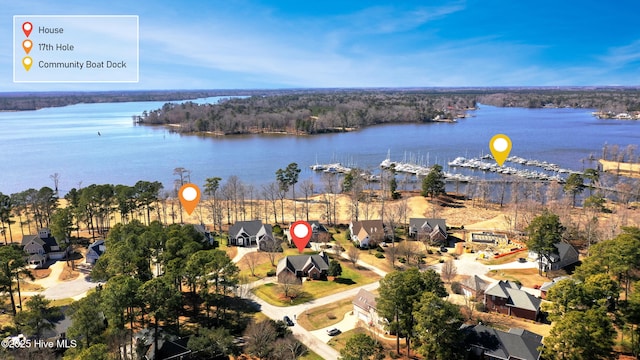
(484, 342)
(506, 297)
(434, 230)
(250, 233)
(319, 233)
(565, 255)
(474, 286)
(311, 266)
(94, 252)
(41, 247)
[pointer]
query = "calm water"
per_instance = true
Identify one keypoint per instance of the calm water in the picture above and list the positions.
(36, 144)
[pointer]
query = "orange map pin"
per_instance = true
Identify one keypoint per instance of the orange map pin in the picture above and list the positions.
(189, 195)
(27, 45)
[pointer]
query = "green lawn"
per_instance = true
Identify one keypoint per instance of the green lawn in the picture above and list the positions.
(315, 289)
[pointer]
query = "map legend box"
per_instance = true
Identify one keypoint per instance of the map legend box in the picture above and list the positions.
(75, 48)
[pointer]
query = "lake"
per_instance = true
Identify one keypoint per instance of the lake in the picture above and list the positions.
(99, 143)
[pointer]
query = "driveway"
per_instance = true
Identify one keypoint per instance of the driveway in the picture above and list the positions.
(54, 289)
(349, 322)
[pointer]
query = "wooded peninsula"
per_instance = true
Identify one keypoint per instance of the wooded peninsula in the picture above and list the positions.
(322, 111)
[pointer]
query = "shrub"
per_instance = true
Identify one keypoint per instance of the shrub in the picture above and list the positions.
(456, 288)
(271, 272)
(441, 261)
(480, 307)
(379, 255)
(402, 260)
(331, 316)
(429, 251)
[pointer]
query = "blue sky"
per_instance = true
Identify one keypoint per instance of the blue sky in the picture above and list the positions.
(283, 44)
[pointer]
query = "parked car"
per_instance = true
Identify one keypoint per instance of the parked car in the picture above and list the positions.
(333, 332)
(287, 320)
(522, 260)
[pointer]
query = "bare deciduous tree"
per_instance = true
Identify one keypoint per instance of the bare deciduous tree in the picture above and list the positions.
(251, 259)
(289, 285)
(354, 254)
(449, 270)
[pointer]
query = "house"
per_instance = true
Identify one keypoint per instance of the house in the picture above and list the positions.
(486, 343)
(367, 233)
(506, 297)
(170, 347)
(319, 233)
(94, 252)
(434, 230)
(208, 237)
(364, 308)
(564, 255)
(544, 289)
(474, 287)
(42, 247)
(310, 266)
(250, 233)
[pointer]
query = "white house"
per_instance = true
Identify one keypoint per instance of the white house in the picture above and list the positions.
(565, 255)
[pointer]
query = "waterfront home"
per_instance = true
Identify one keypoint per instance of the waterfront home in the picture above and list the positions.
(41, 248)
(506, 297)
(367, 233)
(314, 267)
(484, 343)
(564, 255)
(433, 230)
(251, 233)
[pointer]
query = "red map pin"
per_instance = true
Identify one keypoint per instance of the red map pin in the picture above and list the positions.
(301, 233)
(27, 27)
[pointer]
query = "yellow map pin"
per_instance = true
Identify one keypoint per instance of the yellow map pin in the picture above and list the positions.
(500, 146)
(27, 62)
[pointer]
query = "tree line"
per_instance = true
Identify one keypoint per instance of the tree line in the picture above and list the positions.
(309, 113)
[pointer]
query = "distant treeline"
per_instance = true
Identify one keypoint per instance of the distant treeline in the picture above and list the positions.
(34, 101)
(311, 113)
(616, 100)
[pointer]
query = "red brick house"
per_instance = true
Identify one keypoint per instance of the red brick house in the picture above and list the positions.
(506, 297)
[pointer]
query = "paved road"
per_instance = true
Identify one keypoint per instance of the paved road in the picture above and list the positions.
(55, 289)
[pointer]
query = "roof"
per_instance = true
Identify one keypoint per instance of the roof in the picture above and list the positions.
(250, 227)
(515, 297)
(300, 262)
(317, 226)
(95, 247)
(475, 283)
(365, 300)
(564, 250)
(517, 343)
(488, 237)
(548, 285)
(432, 223)
(46, 243)
(369, 226)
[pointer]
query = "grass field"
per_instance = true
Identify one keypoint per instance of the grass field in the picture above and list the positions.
(527, 277)
(326, 315)
(504, 259)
